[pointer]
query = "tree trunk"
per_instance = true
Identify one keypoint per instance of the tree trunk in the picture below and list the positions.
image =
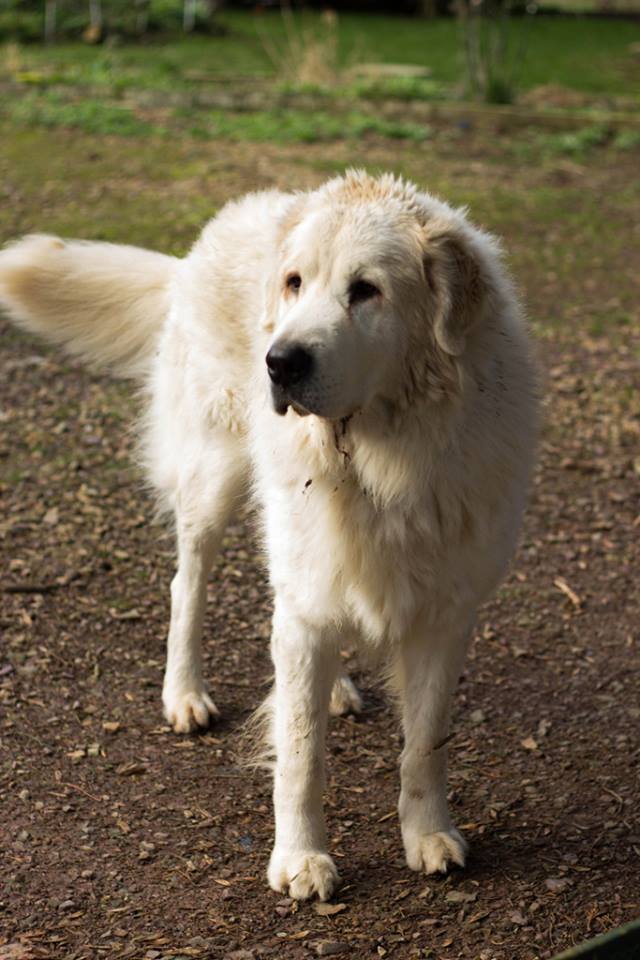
(50, 11)
(189, 16)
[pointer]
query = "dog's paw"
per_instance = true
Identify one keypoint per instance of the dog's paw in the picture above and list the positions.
(189, 710)
(433, 852)
(303, 874)
(345, 697)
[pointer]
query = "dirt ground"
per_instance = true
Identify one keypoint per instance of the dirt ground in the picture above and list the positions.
(122, 840)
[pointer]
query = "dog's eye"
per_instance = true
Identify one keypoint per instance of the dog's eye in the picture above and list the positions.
(361, 290)
(293, 282)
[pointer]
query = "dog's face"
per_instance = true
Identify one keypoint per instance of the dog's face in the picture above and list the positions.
(358, 286)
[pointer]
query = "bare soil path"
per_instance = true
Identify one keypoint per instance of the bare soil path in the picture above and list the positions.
(121, 840)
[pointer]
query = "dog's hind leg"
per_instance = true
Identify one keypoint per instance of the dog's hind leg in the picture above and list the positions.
(203, 508)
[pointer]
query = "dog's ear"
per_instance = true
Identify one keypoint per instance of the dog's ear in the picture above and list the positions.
(458, 286)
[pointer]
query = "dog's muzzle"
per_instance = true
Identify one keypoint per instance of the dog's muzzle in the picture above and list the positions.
(289, 367)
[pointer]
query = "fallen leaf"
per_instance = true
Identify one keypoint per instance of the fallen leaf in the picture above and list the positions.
(128, 769)
(329, 909)
(476, 917)
(459, 896)
(529, 743)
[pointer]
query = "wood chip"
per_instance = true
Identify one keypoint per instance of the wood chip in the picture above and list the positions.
(562, 585)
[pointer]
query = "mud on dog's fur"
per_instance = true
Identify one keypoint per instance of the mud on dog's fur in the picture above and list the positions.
(387, 439)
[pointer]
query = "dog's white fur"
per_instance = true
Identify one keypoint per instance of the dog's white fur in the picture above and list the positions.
(391, 490)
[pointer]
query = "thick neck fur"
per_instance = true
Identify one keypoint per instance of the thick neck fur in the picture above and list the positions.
(375, 450)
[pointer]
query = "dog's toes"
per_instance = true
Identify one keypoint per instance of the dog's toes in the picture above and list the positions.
(303, 875)
(434, 852)
(345, 697)
(189, 711)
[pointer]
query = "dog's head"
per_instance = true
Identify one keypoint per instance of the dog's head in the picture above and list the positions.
(376, 291)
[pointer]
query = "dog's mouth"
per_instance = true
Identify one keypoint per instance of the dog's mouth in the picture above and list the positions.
(281, 403)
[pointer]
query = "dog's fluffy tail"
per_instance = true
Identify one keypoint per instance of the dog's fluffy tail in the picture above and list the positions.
(105, 302)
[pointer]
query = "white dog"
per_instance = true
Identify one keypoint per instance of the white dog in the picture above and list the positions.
(357, 356)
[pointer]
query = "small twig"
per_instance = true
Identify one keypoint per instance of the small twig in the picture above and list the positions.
(562, 585)
(30, 587)
(74, 786)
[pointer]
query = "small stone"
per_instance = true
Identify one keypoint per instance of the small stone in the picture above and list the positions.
(557, 884)
(330, 948)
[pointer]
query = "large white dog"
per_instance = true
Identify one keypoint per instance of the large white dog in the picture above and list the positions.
(356, 357)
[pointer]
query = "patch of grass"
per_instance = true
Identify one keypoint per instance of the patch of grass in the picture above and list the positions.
(287, 126)
(398, 88)
(92, 116)
(63, 108)
(577, 144)
(626, 140)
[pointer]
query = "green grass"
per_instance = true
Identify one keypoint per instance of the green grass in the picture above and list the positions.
(277, 126)
(92, 116)
(290, 126)
(592, 56)
(578, 143)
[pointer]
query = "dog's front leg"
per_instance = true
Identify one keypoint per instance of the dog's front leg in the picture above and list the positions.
(305, 663)
(428, 668)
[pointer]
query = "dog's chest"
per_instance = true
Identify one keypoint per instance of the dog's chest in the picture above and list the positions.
(340, 558)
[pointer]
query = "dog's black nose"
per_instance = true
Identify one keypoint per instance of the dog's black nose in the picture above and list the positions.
(288, 364)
